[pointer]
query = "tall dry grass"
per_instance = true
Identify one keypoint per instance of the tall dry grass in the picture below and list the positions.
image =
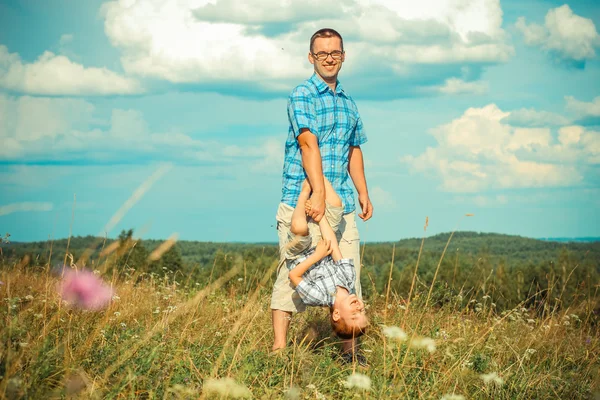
(167, 337)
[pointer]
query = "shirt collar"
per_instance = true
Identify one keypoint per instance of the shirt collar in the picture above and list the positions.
(322, 87)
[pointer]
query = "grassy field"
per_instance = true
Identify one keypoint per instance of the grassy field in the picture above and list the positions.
(166, 336)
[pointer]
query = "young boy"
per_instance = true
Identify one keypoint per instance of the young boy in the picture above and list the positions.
(319, 273)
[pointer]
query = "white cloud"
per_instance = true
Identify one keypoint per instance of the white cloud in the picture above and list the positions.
(564, 33)
(53, 74)
(582, 108)
(24, 207)
(533, 118)
(381, 198)
(458, 86)
(483, 201)
(480, 151)
(66, 38)
(64, 131)
(264, 43)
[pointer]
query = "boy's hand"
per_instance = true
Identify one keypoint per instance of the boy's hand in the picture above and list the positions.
(323, 248)
(307, 207)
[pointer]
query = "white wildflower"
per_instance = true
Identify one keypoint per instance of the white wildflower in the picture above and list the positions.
(486, 297)
(394, 332)
(29, 297)
(226, 387)
(23, 344)
(402, 307)
(293, 393)
(358, 381)
(531, 321)
(38, 316)
(115, 298)
(116, 313)
(423, 343)
(453, 397)
(218, 334)
(531, 351)
(240, 279)
(492, 377)
(389, 306)
(311, 386)
(123, 325)
(566, 323)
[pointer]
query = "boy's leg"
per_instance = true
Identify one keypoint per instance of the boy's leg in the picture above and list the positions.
(299, 223)
(331, 195)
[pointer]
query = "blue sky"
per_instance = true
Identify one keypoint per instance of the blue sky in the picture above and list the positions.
(170, 116)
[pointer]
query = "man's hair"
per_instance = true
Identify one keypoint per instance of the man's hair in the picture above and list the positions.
(326, 33)
(345, 331)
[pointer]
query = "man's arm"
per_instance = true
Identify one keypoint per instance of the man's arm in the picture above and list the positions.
(311, 161)
(356, 169)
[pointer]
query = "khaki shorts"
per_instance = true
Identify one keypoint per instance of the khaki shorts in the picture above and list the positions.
(297, 244)
(284, 296)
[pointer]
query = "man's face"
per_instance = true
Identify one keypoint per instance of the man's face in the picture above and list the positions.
(329, 67)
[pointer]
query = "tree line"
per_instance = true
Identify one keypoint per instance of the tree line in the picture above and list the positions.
(511, 270)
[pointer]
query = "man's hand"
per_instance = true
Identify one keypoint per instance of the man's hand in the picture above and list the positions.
(323, 248)
(317, 206)
(366, 206)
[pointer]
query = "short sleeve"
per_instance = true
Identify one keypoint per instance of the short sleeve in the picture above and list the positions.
(358, 136)
(346, 268)
(301, 111)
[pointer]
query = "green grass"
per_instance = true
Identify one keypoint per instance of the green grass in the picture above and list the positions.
(167, 338)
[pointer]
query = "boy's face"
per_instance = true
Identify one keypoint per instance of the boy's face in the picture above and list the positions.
(351, 309)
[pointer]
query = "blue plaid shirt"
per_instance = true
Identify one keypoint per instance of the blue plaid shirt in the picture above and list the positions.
(319, 283)
(334, 119)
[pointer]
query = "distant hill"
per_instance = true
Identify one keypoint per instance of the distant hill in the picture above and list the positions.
(510, 247)
(577, 239)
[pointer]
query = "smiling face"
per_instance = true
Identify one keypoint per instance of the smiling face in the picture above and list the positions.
(329, 67)
(350, 311)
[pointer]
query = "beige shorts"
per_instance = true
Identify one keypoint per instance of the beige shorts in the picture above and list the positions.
(284, 296)
(297, 244)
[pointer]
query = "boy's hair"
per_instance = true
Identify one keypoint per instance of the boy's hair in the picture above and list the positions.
(343, 330)
(327, 33)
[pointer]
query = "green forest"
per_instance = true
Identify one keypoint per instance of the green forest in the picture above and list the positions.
(511, 270)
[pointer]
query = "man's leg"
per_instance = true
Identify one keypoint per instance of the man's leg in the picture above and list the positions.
(349, 243)
(284, 299)
(281, 325)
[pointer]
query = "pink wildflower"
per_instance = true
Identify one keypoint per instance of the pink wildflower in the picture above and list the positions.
(85, 290)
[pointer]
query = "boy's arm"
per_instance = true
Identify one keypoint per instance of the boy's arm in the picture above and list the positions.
(328, 234)
(323, 249)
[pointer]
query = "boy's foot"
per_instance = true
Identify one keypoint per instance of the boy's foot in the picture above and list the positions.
(349, 358)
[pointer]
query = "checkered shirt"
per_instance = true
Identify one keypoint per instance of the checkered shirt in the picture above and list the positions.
(334, 119)
(318, 285)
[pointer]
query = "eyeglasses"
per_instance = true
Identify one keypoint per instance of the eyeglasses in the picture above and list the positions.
(322, 55)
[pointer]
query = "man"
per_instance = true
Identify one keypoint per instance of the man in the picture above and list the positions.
(324, 139)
